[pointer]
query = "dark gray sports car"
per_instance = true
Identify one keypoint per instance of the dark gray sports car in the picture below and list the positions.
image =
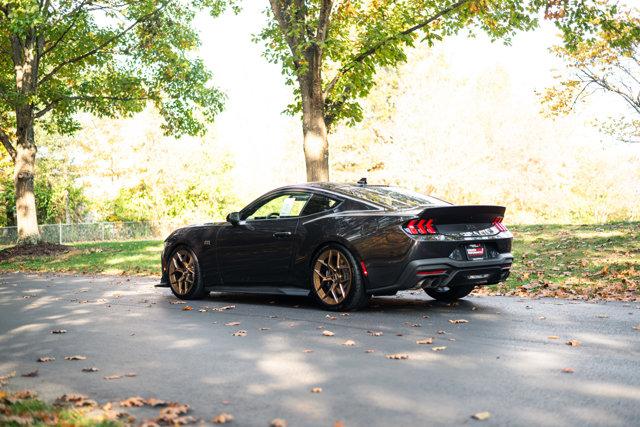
(340, 244)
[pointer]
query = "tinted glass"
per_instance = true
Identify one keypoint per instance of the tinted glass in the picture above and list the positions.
(283, 206)
(319, 203)
(391, 197)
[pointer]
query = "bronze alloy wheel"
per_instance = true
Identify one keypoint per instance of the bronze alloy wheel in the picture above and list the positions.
(332, 276)
(182, 269)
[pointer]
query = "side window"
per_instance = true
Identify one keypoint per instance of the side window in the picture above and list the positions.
(283, 206)
(318, 204)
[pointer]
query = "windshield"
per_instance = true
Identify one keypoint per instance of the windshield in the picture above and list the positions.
(391, 197)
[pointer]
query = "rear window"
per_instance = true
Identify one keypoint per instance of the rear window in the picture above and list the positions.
(391, 197)
(317, 204)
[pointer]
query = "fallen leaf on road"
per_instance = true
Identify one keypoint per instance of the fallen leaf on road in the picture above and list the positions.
(455, 321)
(316, 390)
(439, 348)
(553, 337)
(44, 359)
(327, 333)
(91, 369)
(25, 394)
(278, 422)
(412, 325)
(369, 351)
(30, 374)
(187, 308)
(222, 418)
(232, 324)
(240, 333)
(602, 316)
(338, 424)
(174, 410)
(330, 317)
(113, 377)
(481, 416)
(398, 356)
(75, 357)
(637, 327)
(130, 375)
(349, 343)
(202, 310)
(77, 400)
(154, 403)
(5, 378)
(425, 341)
(224, 307)
(307, 350)
(375, 333)
(441, 332)
(135, 401)
(59, 331)
(568, 370)
(573, 343)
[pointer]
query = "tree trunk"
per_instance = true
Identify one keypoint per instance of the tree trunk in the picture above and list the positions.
(316, 145)
(314, 127)
(24, 173)
(26, 59)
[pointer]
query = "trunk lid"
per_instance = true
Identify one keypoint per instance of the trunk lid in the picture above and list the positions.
(463, 219)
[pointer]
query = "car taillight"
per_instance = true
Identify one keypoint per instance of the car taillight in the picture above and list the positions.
(420, 226)
(497, 222)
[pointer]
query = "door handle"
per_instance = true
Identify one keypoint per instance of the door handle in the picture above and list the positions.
(281, 234)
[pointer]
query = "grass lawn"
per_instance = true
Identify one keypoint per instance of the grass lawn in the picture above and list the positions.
(134, 257)
(556, 260)
(23, 408)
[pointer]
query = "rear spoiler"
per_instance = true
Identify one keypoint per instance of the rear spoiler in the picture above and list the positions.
(463, 214)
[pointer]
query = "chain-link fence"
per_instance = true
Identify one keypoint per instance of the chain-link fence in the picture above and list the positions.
(94, 232)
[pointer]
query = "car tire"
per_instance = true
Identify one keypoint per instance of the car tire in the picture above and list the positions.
(355, 296)
(185, 279)
(453, 294)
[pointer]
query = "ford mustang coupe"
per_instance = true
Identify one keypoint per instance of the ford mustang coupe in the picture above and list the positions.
(341, 244)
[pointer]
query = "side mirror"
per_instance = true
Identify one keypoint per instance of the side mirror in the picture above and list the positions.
(234, 218)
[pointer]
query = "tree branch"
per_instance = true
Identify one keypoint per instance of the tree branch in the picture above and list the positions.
(285, 28)
(607, 86)
(323, 20)
(373, 49)
(100, 46)
(6, 142)
(51, 105)
(66, 31)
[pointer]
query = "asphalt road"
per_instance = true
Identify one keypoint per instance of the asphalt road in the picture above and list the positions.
(501, 361)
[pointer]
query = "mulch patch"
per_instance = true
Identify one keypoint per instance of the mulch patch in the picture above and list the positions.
(39, 249)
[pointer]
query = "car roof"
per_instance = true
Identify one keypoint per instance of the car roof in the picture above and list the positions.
(350, 191)
(333, 187)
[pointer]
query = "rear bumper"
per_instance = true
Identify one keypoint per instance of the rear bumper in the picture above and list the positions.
(441, 272)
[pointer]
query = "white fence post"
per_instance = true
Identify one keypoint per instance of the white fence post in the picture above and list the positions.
(60, 232)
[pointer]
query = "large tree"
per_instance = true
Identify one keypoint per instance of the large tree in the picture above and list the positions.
(107, 57)
(607, 63)
(330, 50)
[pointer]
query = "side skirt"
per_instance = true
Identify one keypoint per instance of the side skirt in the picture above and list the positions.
(265, 290)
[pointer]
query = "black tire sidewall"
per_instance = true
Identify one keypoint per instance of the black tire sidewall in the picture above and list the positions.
(357, 297)
(197, 291)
